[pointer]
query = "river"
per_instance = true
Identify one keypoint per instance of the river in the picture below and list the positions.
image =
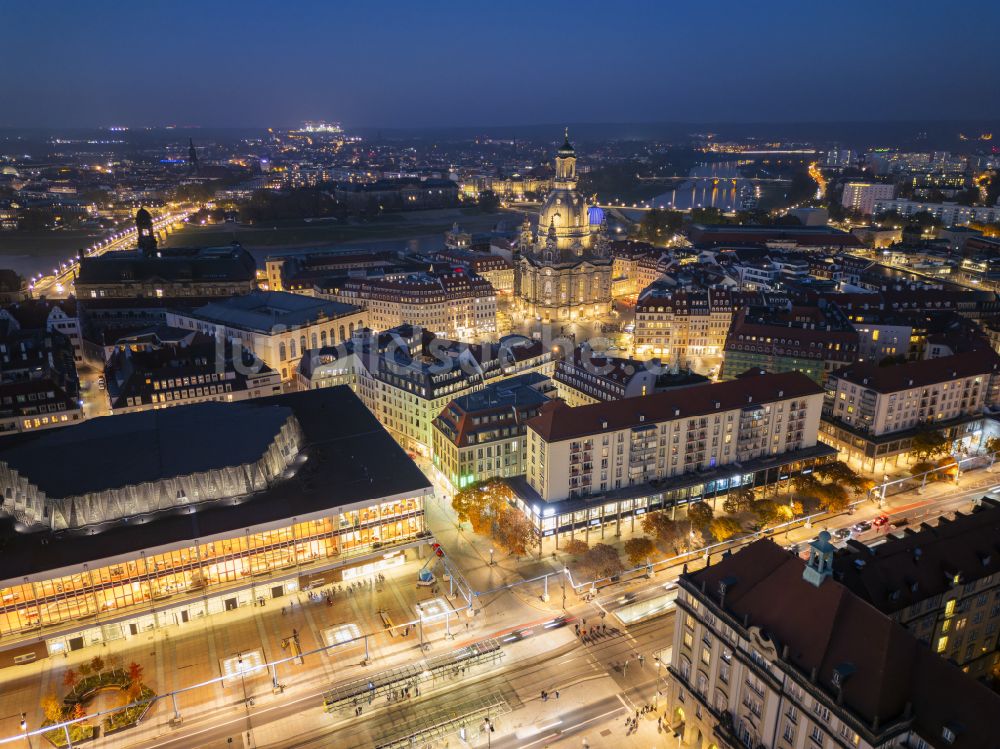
(712, 185)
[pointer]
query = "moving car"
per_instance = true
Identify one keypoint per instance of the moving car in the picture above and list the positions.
(862, 526)
(842, 534)
(880, 521)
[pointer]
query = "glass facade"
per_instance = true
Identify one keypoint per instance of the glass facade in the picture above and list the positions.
(554, 521)
(94, 595)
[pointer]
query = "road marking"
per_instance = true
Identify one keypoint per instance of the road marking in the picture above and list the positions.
(622, 697)
(573, 727)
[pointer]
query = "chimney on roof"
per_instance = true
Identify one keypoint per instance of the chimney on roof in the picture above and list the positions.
(724, 585)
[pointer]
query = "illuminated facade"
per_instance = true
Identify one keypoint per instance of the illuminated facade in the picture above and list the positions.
(190, 539)
(564, 209)
(595, 470)
(566, 273)
(120, 597)
(453, 305)
(685, 327)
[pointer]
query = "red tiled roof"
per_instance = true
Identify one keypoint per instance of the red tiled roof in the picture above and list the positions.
(920, 373)
(816, 629)
(556, 424)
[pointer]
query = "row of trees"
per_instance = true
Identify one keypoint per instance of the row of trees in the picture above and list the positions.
(488, 507)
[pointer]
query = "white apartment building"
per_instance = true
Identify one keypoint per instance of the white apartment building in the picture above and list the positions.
(880, 400)
(862, 196)
(865, 404)
(459, 306)
(595, 449)
(949, 214)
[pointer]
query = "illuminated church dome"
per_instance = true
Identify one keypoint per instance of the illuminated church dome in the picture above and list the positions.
(564, 208)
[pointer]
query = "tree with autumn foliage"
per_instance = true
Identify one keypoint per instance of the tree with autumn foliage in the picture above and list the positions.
(832, 494)
(602, 560)
(575, 547)
(724, 528)
(52, 708)
(70, 679)
(513, 532)
(639, 550)
(700, 514)
(134, 689)
(487, 507)
(838, 472)
(738, 500)
(766, 511)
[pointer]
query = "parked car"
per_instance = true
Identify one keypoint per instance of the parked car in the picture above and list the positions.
(842, 534)
(880, 521)
(862, 526)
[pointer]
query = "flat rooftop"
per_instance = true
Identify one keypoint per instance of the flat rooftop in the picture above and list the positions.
(264, 311)
(350, 459)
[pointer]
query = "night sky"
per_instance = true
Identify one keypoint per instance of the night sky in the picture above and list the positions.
(427, 64)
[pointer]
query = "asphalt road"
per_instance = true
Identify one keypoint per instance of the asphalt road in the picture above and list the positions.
(525, 671)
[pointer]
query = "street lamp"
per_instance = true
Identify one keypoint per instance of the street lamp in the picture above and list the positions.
(491, 558)
(24, 729)
(489, 729)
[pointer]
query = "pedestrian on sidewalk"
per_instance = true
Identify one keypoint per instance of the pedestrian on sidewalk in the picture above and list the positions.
(557, 694)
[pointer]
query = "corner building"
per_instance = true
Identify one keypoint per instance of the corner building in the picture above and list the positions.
(771, 651)
(594, 468)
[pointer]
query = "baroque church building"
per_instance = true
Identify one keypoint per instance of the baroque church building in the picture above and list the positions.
(564, 273)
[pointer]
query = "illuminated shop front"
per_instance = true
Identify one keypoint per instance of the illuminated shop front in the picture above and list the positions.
(590, 518)
(156, 519)
(125, 596)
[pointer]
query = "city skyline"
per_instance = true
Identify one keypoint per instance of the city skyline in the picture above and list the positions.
(229, 65)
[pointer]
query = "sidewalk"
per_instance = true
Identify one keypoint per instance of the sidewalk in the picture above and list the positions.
(181, 656)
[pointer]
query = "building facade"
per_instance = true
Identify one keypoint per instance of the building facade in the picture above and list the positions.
(240, 503)
(770, 651)
(663, 435)
(198, 369)
(794, 340)
(862, 196)
(481, 436)
(275, 326)
(685, 328)
(455, 305)
(871, 413)
(939, 581)
(566, 272)
(594, 470)
(947, 213)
